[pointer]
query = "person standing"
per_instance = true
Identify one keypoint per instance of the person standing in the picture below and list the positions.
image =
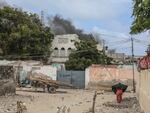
(119, 93)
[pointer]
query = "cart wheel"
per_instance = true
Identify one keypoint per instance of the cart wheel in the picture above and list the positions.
(51, 89)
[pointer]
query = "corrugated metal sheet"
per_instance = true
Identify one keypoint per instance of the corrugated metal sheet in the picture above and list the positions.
(76, 78)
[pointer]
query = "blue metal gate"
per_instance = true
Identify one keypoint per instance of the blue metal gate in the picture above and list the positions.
(76, 78)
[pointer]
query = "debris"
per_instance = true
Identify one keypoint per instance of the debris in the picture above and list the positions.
(63, 109)
(21, 107)
(127, 103)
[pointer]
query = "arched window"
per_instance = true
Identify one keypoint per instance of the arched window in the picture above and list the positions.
(62, 52)
(56, 51)
(69, 51)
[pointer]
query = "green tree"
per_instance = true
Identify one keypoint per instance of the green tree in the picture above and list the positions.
(86, 55)
(141, 13)
(23, 35)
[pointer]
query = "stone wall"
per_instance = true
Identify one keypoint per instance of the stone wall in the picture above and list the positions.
(144, 90)
(7, 80)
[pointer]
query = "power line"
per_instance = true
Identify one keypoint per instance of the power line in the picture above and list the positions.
(128, 38)
(124, 48)
(112, 35)
(140, 41)
(119, 44)
(25, 55)
(120, 41)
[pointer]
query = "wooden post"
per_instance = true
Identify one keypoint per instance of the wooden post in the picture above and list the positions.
(94, 100)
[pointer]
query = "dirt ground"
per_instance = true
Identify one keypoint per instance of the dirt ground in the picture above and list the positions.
(69, 101)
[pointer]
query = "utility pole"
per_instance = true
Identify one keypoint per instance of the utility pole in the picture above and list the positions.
(42, 17)
(104, 47)
(103, 41)
(133, 63)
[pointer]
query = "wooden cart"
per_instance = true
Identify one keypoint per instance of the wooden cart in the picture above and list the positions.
(46, 82)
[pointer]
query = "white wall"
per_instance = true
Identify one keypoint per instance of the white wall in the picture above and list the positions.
(87, 79)
(47, 70)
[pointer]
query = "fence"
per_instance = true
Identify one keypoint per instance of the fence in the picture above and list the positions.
(76, 78)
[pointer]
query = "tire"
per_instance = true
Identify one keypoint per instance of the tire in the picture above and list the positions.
(51, 89)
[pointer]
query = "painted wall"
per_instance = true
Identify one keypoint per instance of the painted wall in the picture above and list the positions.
(102, 76)
(144, 90)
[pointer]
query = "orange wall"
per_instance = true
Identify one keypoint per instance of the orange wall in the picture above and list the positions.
(98, 73)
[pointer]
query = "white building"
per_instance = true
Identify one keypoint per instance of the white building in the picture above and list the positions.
(62, 46)
(99, 47)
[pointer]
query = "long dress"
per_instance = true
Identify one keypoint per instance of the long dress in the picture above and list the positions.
(119, 93)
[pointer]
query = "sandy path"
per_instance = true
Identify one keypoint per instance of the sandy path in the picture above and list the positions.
(72, 101)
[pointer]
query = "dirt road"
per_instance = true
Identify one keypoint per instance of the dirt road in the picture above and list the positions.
(69, 101)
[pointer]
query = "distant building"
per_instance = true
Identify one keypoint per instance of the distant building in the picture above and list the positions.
(62, 46)
(99, 47)
(117, 56)
(121, 58)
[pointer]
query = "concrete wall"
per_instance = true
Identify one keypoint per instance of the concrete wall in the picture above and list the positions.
(46, 70)
(43, 69)
(144, 90)
(87, 77)
(7, 80)
(103, 77)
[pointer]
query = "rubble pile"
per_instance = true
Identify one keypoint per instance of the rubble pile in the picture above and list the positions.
(7, 82)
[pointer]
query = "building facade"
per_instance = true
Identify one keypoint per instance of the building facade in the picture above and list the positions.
(62, 46)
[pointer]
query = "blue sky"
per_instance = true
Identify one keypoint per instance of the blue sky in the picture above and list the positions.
(110, 18)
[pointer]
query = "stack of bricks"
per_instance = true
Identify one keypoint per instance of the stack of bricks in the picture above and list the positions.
(7, 82)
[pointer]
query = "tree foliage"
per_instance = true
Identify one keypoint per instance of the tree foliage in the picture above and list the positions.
(141, 13)
(86, 55)
(22, 34)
